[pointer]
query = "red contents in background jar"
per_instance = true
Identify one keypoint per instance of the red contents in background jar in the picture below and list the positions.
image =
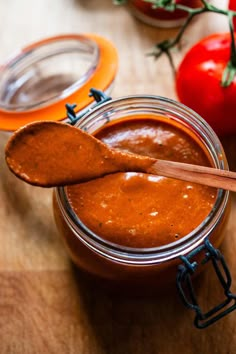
(147, 9)
(232, 6)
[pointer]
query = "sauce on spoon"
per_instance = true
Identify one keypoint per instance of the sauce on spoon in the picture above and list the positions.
(51, 154)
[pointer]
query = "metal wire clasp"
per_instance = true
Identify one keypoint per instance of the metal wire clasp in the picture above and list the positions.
(186, 290)
(99, 96)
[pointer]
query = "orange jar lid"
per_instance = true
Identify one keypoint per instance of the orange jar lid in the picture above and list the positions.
(39, 80)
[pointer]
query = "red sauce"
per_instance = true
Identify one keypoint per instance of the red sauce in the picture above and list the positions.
(141, 210)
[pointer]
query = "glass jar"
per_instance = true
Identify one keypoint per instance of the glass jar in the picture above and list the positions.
(37, 82)
(153, 268)
(146, 12)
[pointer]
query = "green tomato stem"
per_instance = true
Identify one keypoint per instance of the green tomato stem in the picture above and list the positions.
(230, 70)
(228, 75)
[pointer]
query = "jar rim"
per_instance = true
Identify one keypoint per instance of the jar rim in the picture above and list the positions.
(174, 249)
(100, 72)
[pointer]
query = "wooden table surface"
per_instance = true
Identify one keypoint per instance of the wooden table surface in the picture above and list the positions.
(45, 307)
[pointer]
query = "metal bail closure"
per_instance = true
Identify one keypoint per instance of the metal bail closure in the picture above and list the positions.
(186, 290)
(99, 97)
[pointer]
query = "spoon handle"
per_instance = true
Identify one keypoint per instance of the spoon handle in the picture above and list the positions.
(209, 176)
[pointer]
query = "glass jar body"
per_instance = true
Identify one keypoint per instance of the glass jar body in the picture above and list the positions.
(144, 269)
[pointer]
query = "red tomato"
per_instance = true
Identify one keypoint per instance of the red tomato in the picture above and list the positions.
(232, 6)
(198, 83)
(147, 9)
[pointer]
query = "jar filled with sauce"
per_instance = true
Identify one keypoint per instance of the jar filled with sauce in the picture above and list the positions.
(147, 13)
(132, 230)
(129, 231)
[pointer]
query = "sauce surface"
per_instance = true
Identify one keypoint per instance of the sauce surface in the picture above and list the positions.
(141, 210)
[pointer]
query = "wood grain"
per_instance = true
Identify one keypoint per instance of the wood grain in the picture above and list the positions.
(55, 311)
(45, 305)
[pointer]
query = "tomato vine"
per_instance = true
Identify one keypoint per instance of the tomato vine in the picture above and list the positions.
(165, 46)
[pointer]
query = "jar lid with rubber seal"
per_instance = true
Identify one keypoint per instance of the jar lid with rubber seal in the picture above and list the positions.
(37, 82)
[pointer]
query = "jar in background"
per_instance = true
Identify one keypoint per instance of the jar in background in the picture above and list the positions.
(145, 12)
(37, 82)
(132, 268)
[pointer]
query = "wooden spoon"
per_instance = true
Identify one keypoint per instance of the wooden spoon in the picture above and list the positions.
(51, 154)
